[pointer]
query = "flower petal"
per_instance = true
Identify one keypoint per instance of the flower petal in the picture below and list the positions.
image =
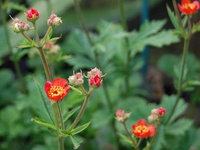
(59, 82)
(141, 122)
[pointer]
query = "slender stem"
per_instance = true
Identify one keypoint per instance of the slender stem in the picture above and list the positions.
(47, 33)
(36, 34)
(27, 37)
(60, 115)
(45, 64)
(128, 133)
(15, 62)
(185, 50)
(122, 14)
(178, 15)
(128, 55)
(78, 117)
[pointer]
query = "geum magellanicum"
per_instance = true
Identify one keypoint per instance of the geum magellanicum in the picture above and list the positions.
(187, 7)
(57, 89)
(142, 130)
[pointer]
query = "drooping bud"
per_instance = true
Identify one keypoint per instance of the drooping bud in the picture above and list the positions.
(54, 20)
(32, 15)
(121, 116)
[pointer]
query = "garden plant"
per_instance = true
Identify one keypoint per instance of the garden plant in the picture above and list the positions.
(85, 90)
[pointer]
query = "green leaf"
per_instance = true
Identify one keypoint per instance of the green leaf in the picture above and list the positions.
(76, 90)
(65, 133)
(168, 102)
(75, 142)
(160, 138)
(68, 114)
(179, 127)
(125, 138)
(44, 101)
(54, 39)
(173, 17)
(79, 129)
(44, 123)
(18, 7)
(193, 83)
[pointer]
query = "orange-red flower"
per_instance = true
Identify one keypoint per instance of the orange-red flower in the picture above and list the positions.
(57, 89)
(142, 130)
(188, 7)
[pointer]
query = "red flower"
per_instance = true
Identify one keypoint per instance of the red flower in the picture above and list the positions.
(32, 15)
(57, 89)
(188, 7)
(95, 81)
(142, 130)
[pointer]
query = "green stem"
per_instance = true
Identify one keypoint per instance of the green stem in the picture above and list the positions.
(27, 37)
(78, 117)
(36, 34)
(47, 33)
(122, 14)
(185, 50)
(45, 64)
(135, 145)
(16, 64)
(128, 56)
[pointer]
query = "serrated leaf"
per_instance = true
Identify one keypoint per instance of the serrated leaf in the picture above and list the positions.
(45, 103)
(168, 102)
(68, 114)
(179, 127)
(163, 38)
(75, 142)
(80, 62)
(44, 123)
(79, 129)
(125, 138)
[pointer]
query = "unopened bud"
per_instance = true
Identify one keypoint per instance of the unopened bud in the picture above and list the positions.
(54, 20)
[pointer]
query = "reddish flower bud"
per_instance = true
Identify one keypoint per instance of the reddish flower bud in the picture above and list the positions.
(32, 15)
(94, 72)
(187, 7)
(142, 130)
(48, 46)
(54, 20)
(121, 116)
(57, 89)
(161, 111)
(95, 81)
(19, 26)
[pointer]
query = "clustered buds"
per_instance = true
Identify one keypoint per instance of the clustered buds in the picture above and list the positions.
(121, 116)
(157, 114)
(76, 79)
(19, 26)
(94, 78)
(54, 20)
(32, 15)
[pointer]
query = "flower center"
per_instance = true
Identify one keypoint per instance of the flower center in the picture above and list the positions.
(56, 91)
(188, 6)
(141, 129)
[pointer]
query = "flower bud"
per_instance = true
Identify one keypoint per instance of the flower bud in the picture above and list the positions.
(121, 116)
(48, 46)
(94, 72)
(76, 79)
(19, 26)
(54, 20)
(95, 81)
(32, 15)
(161, 111)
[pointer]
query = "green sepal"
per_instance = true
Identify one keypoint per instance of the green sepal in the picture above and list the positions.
(44, 123)
(75, 142)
